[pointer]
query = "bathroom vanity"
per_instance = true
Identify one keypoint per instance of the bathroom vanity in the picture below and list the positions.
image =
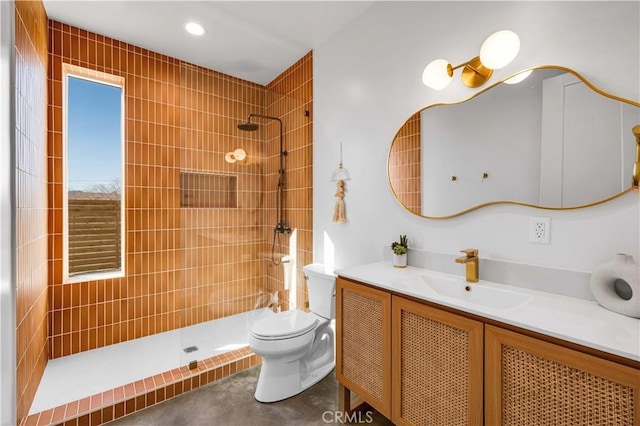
(423, 347)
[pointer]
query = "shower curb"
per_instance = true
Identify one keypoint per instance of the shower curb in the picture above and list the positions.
(124, 400)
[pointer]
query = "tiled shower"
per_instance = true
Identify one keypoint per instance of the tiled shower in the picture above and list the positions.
(183, 264)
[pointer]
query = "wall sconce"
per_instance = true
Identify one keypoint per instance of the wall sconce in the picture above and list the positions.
(238, 154)
(497, 51)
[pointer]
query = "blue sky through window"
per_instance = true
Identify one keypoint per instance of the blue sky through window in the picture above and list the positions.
(94, 149)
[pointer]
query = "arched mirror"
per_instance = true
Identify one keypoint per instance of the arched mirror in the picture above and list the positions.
(551, 140)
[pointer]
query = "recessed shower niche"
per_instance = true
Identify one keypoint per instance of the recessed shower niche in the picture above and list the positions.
(207, 190)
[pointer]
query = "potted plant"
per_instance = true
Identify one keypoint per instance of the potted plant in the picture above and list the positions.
(399, 250)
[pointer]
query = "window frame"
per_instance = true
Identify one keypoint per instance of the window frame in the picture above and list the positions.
(69, 70)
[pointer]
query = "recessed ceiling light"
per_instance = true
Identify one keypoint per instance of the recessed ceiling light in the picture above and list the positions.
(194, 28)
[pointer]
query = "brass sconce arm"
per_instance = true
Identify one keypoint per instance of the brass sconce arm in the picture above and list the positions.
(474, 74)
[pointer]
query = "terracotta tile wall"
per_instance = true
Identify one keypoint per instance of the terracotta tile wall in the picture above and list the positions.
(290, 97)
(183, 266)
(31, 202)
(222, 270)
(405, 165)
(92, 314)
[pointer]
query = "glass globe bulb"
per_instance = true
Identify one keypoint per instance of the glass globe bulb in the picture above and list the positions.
(518, 77)
(240, 154)
(436, 75)
(229, 158)
(499, 49)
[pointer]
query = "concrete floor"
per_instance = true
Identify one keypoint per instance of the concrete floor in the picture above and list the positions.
(230, 402)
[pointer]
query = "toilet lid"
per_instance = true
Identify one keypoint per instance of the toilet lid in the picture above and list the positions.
(284, 325)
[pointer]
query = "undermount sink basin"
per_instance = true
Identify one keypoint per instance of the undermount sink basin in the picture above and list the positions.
(478, 293)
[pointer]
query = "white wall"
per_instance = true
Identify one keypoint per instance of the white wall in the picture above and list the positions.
(461, 140)
(7, 220)
(368, 82)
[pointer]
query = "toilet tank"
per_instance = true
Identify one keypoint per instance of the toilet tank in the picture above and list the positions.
(322, 290)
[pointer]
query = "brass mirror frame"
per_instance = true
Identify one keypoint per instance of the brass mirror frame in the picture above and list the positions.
(519, 203)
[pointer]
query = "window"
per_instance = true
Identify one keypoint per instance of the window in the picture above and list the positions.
(94, 175)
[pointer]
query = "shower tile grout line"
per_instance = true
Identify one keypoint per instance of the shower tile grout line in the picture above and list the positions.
(129, 398)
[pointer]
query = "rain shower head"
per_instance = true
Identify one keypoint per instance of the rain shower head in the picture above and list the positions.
(248, 126)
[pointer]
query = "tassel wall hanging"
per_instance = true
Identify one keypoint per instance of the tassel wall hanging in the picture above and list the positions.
(338, 211)
(340, 175)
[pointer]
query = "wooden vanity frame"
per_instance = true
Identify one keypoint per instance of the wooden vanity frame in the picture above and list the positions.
(497, 338)
(605, 365)
(381, 402)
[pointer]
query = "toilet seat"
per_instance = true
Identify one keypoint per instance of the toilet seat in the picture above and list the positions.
(284, 325)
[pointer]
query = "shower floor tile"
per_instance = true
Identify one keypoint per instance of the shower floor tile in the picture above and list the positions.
(88, 373)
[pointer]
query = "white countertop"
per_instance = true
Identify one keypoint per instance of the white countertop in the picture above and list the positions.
(575, 320)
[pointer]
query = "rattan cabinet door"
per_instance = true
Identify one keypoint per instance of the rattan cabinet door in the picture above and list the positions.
(532, 382)
(363, 349)
(437, 358)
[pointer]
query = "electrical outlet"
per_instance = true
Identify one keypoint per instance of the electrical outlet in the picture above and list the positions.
(539, 230)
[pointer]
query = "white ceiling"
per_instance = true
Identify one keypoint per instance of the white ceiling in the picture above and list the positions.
(252, 40)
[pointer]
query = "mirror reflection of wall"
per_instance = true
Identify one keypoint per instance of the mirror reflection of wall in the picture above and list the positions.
(587, 144)
(548, 141)
(497, 133)
(404, 165)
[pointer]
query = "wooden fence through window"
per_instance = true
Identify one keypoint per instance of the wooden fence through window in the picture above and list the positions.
(94, 236)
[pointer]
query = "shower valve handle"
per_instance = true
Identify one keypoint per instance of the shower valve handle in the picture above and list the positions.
(281, 228)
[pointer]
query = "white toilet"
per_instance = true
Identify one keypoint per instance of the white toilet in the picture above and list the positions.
(297, 348)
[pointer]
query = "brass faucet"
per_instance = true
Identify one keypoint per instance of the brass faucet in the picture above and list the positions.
(471, 260)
